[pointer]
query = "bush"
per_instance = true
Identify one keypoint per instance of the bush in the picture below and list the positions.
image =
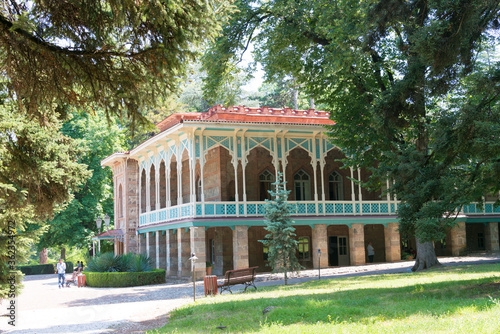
(124, 279)
(108, 262)
(43, 269)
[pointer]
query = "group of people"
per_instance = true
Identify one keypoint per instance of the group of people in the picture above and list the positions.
(61, 272)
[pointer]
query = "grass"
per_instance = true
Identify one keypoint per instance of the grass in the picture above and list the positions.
(463, 299)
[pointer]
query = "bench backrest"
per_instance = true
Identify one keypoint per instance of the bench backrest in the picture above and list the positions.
(240, 275)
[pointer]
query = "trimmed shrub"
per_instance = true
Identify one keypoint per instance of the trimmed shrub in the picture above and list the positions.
(43, 269)
(124, 279)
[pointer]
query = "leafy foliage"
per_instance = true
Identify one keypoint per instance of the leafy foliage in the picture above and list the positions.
(37, 171)
(74, 224)
(281, 240)
(405, 86)
(108, 262)
(120, 56)
(116, 279)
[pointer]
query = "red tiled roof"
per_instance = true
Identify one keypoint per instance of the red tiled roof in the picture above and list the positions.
(243, 114)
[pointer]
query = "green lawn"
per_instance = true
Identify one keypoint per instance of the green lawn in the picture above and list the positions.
(463, 299)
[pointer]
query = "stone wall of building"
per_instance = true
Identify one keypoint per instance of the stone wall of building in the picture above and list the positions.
(211, 175)
(132, 206)
(259, 160)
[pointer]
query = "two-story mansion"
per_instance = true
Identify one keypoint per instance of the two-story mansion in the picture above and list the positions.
(200, 185)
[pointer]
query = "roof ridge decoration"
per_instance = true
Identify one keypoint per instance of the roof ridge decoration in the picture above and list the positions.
(219, 109)
(237, 114)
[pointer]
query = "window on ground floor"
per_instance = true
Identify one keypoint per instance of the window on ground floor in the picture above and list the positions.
(304, 249)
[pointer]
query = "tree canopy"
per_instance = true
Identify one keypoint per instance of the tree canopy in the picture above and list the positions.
(74, 224)
(117, 55)
(406, 88)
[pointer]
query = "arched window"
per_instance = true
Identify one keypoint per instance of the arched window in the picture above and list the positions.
(266, 179)
(198, 189)
(336, 187)
(302, 185)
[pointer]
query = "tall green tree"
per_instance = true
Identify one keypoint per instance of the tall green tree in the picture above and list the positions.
(281, 242)
(405, 90)
(37, 170)
(121, 56)
(74, 224)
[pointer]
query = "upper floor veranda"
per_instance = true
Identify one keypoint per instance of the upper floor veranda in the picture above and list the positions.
(221, 164)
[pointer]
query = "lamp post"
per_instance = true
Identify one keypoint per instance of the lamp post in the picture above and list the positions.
(106, 221)
(98, 222)
(193, 259)
(319, 263)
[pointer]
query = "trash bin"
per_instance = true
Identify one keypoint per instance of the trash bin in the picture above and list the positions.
(81, 280)
(210, 283)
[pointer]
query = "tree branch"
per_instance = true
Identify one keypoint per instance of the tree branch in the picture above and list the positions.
(7, 27)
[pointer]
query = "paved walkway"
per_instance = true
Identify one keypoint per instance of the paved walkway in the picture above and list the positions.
(43, 308)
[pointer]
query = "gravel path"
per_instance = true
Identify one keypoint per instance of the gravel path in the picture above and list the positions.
(44, 308)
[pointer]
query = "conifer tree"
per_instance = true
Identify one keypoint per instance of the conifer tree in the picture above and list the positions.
(281, 240)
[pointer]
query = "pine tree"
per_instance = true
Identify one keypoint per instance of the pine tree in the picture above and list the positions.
(281, 240)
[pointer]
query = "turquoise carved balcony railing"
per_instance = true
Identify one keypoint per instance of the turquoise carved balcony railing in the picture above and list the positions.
(297, 208)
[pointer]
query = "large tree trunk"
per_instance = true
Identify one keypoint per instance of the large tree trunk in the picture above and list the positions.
(63, 253)
(43, 256)
(426, 256)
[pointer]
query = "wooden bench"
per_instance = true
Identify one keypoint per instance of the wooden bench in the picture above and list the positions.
(239, 276)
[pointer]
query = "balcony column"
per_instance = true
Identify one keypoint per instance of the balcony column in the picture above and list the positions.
(167, 252)
(357, 244)
(353, 194)
(157, 249)
(183, 253)
(198, 247)
(491, 237)
(458, 239)
(392, 243)
(138, 236)
(322, 164)
(192, 174)
(202, 165)
(174, 254)
(284, 161)
(244, 161)
(157, 187)
(234, 161)
(168, 158)
(240, 247)
(148, 254)
(359, 188)
(218, 264)
(319, 241)
(148, 189)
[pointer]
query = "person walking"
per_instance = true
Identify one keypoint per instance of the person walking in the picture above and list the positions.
(371, 252)
(61, 271)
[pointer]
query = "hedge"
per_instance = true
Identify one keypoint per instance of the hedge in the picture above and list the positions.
(42, 269)
(124, 279)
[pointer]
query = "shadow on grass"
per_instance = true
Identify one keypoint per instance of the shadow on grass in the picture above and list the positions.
(342, 305)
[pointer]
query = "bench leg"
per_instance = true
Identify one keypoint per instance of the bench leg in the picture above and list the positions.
(247, 284)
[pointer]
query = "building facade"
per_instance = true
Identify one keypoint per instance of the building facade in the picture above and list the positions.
(200, 185)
